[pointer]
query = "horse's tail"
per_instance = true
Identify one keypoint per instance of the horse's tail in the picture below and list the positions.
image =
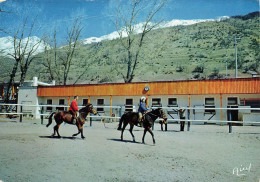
(50, 119)
(120, 123)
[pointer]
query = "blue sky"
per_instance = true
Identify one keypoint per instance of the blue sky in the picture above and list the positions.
(97, 15)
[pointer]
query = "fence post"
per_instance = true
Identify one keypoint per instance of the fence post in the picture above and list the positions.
(42, 110)
(230, 124)
(230, 127)
(90, 120)
(120, 111)
(21, 115)
(188, 128)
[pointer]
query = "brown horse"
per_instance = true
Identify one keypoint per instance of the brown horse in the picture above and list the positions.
(64, 116)
(148, 122)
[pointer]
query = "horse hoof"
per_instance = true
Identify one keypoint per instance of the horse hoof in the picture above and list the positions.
(83, 137)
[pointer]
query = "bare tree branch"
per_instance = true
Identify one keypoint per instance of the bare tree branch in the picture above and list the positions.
(133, 43)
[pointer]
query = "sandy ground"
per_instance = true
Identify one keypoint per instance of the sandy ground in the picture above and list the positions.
(206, 153)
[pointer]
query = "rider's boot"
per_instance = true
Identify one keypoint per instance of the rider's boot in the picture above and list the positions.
(73, 120)
(140, 122)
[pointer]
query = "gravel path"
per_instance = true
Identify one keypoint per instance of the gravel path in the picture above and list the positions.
(206, 153)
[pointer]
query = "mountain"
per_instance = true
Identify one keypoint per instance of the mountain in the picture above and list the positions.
(7, 45)
(248, 16)
(138, 27)
(203, 50)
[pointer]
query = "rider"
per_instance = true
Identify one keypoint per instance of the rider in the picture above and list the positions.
(74, 109)
(142, 109)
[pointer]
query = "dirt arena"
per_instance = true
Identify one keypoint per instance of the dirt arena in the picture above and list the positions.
(206, 153)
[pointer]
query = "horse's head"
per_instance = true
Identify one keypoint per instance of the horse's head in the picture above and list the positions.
(91, 109)
(88, 109)
(162, 114)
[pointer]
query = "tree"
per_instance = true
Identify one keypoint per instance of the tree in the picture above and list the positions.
(126, 25)
(58, 61)
(24, 50)
(50, 58)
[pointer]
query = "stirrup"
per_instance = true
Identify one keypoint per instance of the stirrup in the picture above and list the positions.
(74, 121)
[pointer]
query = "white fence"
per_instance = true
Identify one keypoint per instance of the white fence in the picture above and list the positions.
(23, 109)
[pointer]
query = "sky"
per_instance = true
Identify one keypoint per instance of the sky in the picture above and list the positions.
(98, 16)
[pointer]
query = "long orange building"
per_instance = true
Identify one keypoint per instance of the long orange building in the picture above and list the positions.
(225, 86)
(205, 98)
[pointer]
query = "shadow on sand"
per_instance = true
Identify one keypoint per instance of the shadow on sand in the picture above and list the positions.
(124, 141)
(62, 137)
(128, 141)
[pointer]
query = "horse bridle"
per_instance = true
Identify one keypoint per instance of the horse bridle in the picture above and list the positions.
(161, 113)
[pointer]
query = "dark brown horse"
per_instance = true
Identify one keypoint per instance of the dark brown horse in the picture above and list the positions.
(148, 122)
(64, 116)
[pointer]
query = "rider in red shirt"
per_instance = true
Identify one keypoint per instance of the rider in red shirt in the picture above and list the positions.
(73, 109)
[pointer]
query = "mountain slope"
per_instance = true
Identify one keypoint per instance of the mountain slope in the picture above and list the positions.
(197, 51)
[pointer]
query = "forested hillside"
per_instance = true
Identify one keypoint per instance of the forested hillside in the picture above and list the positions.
(199, 51)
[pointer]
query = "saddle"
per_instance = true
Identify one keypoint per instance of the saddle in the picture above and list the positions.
(141, 121)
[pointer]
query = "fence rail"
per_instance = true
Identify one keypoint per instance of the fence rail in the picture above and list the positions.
(120, 110)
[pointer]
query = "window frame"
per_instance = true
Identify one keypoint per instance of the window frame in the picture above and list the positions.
(129, 107)
(172, 105)
(47, 103)
(100, 109)
(157, 105)
(233, 104)
(253, 99)
(209, 108)
(61, 108)
(84, 102)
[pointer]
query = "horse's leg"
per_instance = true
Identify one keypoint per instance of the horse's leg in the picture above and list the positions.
(123, 129)
(131, 131)
(81, 131)
(82, 136)
(76, 133)
(162, 126)
(57, 129)
(150, 131)
(145, 130)
(54, 130)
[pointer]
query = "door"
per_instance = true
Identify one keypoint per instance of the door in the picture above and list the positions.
(232, 115)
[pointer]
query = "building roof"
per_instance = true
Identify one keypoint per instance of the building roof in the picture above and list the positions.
(190, 87)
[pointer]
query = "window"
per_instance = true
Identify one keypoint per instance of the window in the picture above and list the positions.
(253, 103)
(100, 102)
(156, 102)
(210, 103)
(129, 105)
(85, 102)
(49, 102)
(172, 102)
(61, 102)
(232, 101)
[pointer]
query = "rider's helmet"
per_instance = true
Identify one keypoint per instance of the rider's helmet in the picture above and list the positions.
(141, 99)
